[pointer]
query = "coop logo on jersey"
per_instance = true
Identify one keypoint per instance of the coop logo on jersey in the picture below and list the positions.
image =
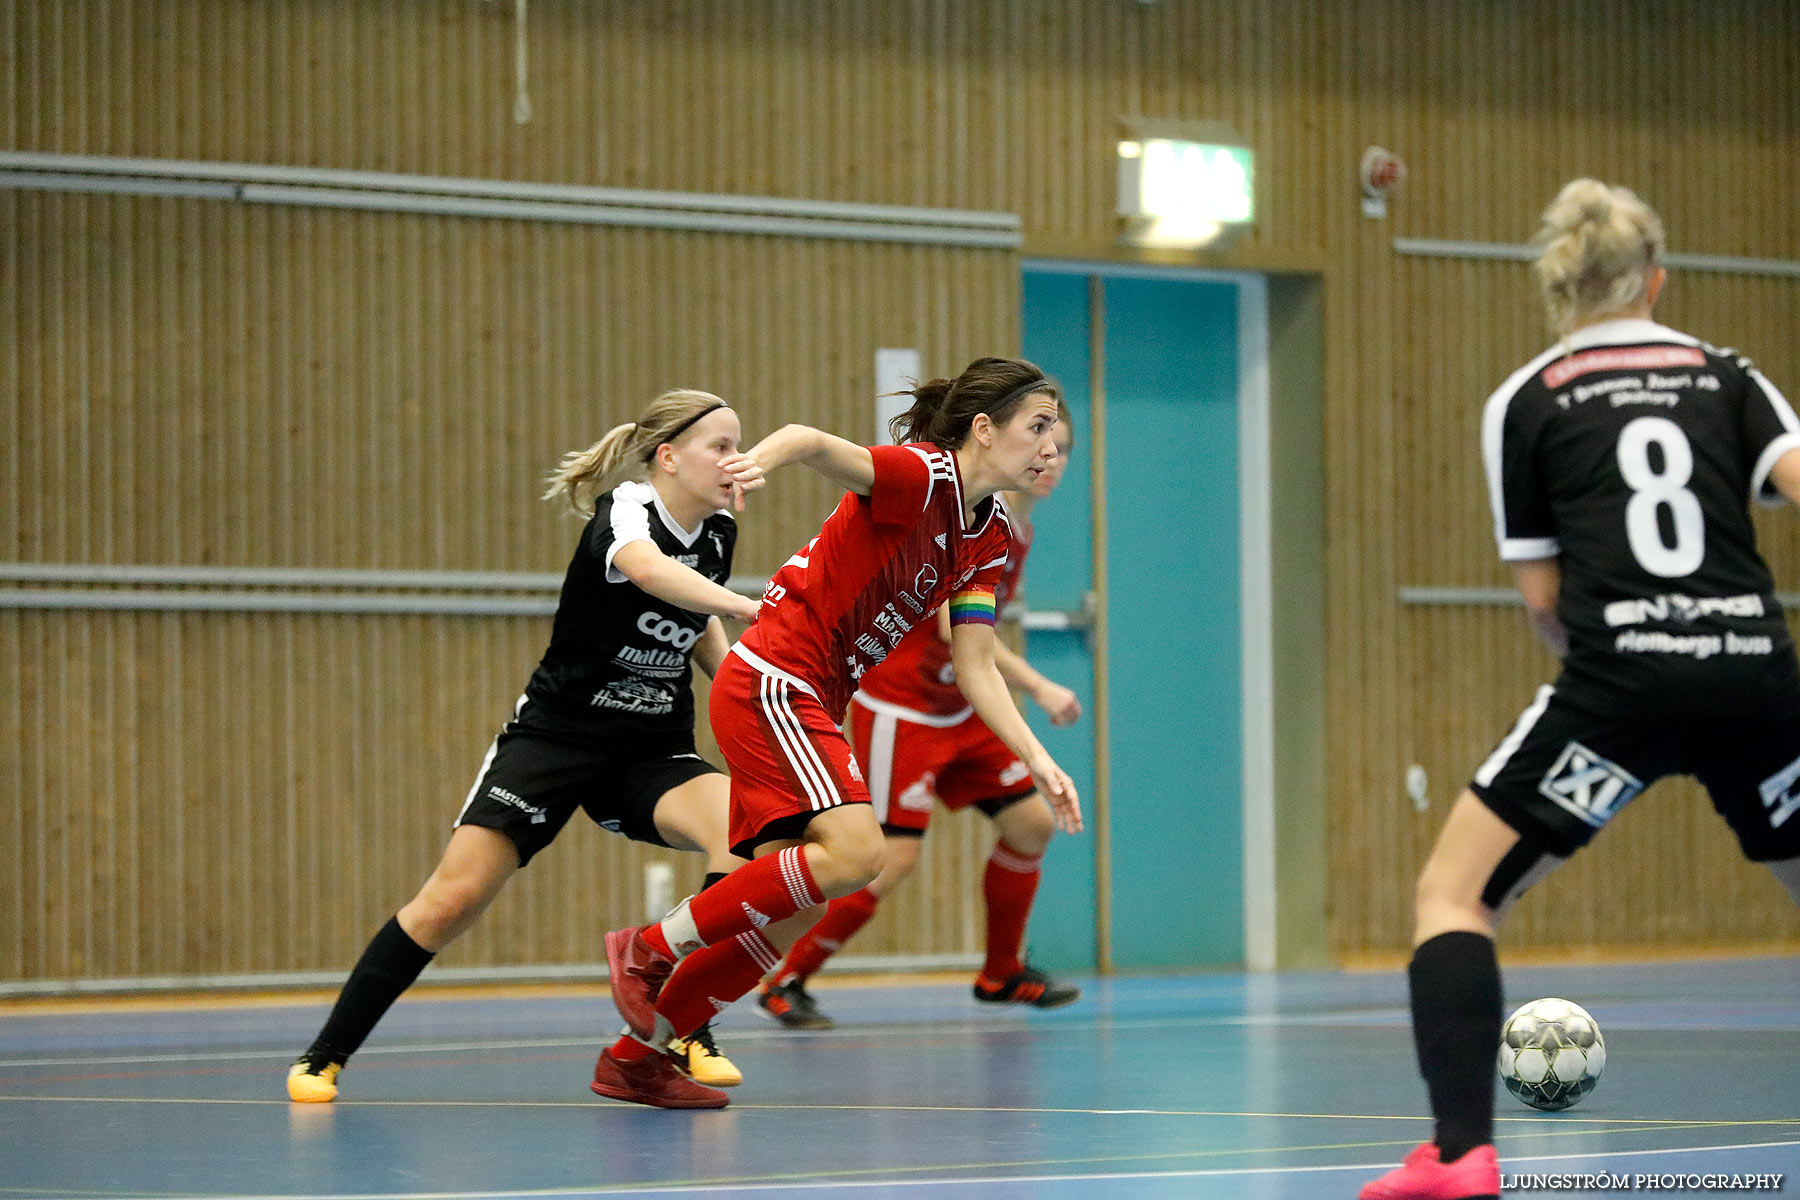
(665, 630)
(1683, 609)
(1779, 794)
(1589, 787)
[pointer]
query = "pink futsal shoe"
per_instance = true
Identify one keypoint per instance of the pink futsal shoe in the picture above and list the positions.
(638, 972)
(654, 1080)
(1474, 1176)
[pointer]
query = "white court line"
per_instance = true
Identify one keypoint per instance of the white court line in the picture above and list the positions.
(1598, 1124)
(736, 1035)
(677, 1189)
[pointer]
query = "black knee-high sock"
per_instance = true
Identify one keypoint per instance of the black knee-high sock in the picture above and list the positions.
(1455, 980)
(387, 968)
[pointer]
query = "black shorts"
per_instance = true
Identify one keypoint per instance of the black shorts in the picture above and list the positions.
(1586, 747)
(535, 777)
(990, 808)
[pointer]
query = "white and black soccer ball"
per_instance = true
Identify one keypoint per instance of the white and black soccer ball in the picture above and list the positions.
(1551, 1054)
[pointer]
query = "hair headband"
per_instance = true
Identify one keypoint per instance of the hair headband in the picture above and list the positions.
(683, 428)
(1040, 384)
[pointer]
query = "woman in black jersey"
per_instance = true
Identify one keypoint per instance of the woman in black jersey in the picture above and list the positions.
(606, 723)
(1621, 464)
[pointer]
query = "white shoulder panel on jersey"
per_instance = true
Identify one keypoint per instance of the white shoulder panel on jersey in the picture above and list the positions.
(1765, 462)
(1493, 436)
(630, 519)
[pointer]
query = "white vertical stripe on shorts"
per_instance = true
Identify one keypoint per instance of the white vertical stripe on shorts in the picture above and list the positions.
(486, 762)
(880, 767)
(810, 751)
(828, 785)
(820, 793)
(1510, 746)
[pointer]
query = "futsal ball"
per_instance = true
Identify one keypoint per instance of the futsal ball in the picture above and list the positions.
(1551, 1054)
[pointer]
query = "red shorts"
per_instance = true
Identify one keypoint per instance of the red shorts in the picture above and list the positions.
(789, 761)
(910, 762)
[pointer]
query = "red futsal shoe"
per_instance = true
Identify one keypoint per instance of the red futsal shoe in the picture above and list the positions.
(1474, 1176)
(638, 972)
(653, 1080)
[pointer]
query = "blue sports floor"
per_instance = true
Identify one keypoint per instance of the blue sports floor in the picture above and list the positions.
(1192, 1087)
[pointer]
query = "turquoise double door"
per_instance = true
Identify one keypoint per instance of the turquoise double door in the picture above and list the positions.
(1170, 369)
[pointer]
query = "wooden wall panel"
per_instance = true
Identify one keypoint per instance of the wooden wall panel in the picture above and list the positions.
(205, 383)
(433, 368)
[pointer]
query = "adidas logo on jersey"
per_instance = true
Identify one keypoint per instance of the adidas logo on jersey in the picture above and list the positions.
(757, 919)
(939, 539)
(1589, 787)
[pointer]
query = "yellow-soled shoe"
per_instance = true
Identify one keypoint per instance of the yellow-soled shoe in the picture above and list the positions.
(313, 1081)
(705, 1064)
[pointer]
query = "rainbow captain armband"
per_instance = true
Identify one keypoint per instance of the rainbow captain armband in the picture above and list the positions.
(974, 606)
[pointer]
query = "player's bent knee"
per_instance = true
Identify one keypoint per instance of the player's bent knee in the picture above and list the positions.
(848, 860)
(1027, 827)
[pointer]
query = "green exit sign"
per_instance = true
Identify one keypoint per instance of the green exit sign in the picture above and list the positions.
(1164, 178)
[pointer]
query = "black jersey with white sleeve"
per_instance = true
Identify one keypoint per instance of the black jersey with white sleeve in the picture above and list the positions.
(618, 662)
(1631, 452)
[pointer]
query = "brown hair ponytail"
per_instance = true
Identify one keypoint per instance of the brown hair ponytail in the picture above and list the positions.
(578, 477)
(943, 409)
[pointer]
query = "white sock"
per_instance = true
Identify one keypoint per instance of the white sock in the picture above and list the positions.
(680, 931)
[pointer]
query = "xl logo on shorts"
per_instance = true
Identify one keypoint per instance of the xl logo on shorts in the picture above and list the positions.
(1778, 794)
(1588, 786)
(665, 630)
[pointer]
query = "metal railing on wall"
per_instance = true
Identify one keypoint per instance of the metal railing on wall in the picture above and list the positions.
(1510, 252)
(157, 588)
(322, 187)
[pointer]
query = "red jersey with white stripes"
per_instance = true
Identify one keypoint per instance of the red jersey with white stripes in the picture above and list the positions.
(881, 565)
(919, 676)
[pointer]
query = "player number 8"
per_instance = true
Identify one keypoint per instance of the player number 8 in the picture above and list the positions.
(1652, 489)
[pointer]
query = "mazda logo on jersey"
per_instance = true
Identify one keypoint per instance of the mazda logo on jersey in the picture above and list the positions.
(1589, 787)
(665, 630)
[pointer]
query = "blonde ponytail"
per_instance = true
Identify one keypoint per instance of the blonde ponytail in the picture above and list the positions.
(579, 476)
(1597, 246)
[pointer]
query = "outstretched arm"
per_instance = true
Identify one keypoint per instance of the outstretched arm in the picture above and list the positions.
(840, 461)
(972, 650)
(1061, 705)
(661, 576)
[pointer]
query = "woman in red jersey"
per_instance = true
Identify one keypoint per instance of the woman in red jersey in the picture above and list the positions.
(921, 744)
(921, 528)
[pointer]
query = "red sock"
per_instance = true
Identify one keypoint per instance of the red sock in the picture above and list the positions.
(761, 893)
(629, 1049)
(1009, 885)
(708, 980)
(846, 915)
